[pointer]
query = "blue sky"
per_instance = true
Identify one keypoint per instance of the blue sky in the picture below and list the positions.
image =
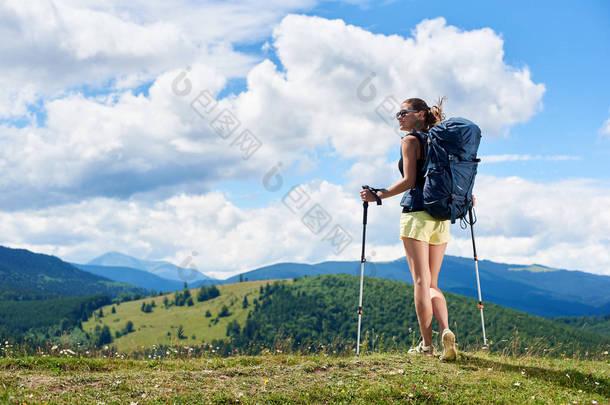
(565, 44)
(89, 110)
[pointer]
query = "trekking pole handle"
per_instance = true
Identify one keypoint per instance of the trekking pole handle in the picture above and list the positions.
(374, 191)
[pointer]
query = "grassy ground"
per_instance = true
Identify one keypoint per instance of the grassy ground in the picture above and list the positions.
(152, 328)
(290, 378)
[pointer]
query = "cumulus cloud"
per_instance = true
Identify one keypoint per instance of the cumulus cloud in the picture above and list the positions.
(53, 46)
(519, 222)
(605, 129)
(135, 173)
(563, 224)
(227, 239)
(119, 144)
(515, 158)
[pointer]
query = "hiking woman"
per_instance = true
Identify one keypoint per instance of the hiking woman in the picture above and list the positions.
(424, 237)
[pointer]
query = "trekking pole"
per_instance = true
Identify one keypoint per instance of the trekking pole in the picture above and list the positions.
(365, 204)
(476, 267)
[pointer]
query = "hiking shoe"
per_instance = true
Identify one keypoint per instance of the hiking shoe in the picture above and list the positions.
(421, 349)
(449, 350)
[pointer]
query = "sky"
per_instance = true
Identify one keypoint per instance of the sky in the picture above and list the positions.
(238, 134)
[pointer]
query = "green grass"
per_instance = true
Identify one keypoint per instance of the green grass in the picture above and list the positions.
(151, 328)
(476, 377)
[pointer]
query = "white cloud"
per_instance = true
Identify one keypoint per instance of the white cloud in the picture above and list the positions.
(134, 173)
(605, 129)
(514, 158)
(227, 239)
(119, 144)
(52, 46)
(563, 224)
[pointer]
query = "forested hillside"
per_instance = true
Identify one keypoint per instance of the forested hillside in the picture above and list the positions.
(323, 310)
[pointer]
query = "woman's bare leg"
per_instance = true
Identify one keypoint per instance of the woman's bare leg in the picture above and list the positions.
(418, 258)
(439, 304)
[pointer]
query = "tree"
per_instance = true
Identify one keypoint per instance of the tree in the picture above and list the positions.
(207, 293)
(147, 307)
(233, 329)
(180, 332)
(101, 313)
(224, 312)
(129, 327)
(241, 278)
(208, 313)
(245, 303)
(104, 336)
(189, 302)
(113, 310)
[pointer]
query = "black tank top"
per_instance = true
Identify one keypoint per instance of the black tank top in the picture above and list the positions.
(419, 182)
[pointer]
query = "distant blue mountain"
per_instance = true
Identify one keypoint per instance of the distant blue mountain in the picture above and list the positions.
(25, 275)
(159, 268)
(538, 290)
(141, 278)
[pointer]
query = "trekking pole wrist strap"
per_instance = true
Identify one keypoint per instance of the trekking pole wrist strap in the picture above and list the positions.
(374, 191)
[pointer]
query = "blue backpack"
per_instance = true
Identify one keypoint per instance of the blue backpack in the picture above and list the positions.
(449, 169)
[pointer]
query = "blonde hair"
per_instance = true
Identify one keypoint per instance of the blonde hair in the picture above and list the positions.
(434, 114)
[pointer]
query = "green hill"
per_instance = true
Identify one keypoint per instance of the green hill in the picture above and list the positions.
(41, 319)
(596, 324)
(31, 276)
(322, 310)
(153, 327)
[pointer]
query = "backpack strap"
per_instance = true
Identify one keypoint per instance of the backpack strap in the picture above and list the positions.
(423, 140)
(423, 144)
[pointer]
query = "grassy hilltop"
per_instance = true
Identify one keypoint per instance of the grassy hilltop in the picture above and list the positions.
(152, 328)
(321, 310)
(531, 359)
(394, 377)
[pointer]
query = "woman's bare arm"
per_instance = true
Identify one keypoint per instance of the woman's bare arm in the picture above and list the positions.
(410, 147)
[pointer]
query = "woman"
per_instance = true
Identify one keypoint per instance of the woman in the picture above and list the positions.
(424, 237)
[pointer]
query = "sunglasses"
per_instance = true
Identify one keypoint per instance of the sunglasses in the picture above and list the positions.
(402, 113)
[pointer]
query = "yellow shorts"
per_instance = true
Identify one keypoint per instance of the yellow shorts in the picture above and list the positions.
(422, 226)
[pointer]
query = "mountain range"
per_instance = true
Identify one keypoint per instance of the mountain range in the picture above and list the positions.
(159, 268)
(538, 290)
(26, 275)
